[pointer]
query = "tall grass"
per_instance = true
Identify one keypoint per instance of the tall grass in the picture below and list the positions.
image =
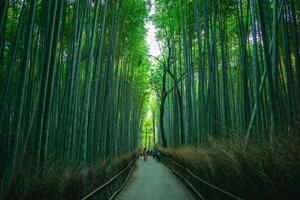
(60, 181)
(254, 172)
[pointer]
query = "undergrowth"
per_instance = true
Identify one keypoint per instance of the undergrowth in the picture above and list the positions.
(254, 172)
(60, 181)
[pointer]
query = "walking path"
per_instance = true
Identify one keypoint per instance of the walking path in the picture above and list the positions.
(154, 181)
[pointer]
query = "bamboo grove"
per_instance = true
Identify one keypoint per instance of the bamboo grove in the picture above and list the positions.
(73, 80)
(229, 69)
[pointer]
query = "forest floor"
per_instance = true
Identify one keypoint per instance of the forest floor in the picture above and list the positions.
(152, 180)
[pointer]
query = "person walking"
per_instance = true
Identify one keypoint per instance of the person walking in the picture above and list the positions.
(145, 154)
(157, 155)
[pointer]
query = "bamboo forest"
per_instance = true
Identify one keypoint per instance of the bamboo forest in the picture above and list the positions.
(90, 88)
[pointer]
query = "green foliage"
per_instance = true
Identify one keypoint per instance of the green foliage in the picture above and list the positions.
(75, 89)
(213, 59)
(147, 131)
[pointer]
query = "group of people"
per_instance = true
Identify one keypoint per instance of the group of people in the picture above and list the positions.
(155, 154)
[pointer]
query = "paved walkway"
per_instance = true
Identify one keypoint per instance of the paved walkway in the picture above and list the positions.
(154, 181)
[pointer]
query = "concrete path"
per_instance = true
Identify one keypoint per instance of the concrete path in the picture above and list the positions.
(154, 181)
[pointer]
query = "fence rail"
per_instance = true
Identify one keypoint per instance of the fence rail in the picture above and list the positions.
(195, 177)
(106, 184)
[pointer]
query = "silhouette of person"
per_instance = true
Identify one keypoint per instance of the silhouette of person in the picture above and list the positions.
(145, 154)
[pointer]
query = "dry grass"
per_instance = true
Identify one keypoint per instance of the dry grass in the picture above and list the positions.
(256, 172)
(63, 182)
